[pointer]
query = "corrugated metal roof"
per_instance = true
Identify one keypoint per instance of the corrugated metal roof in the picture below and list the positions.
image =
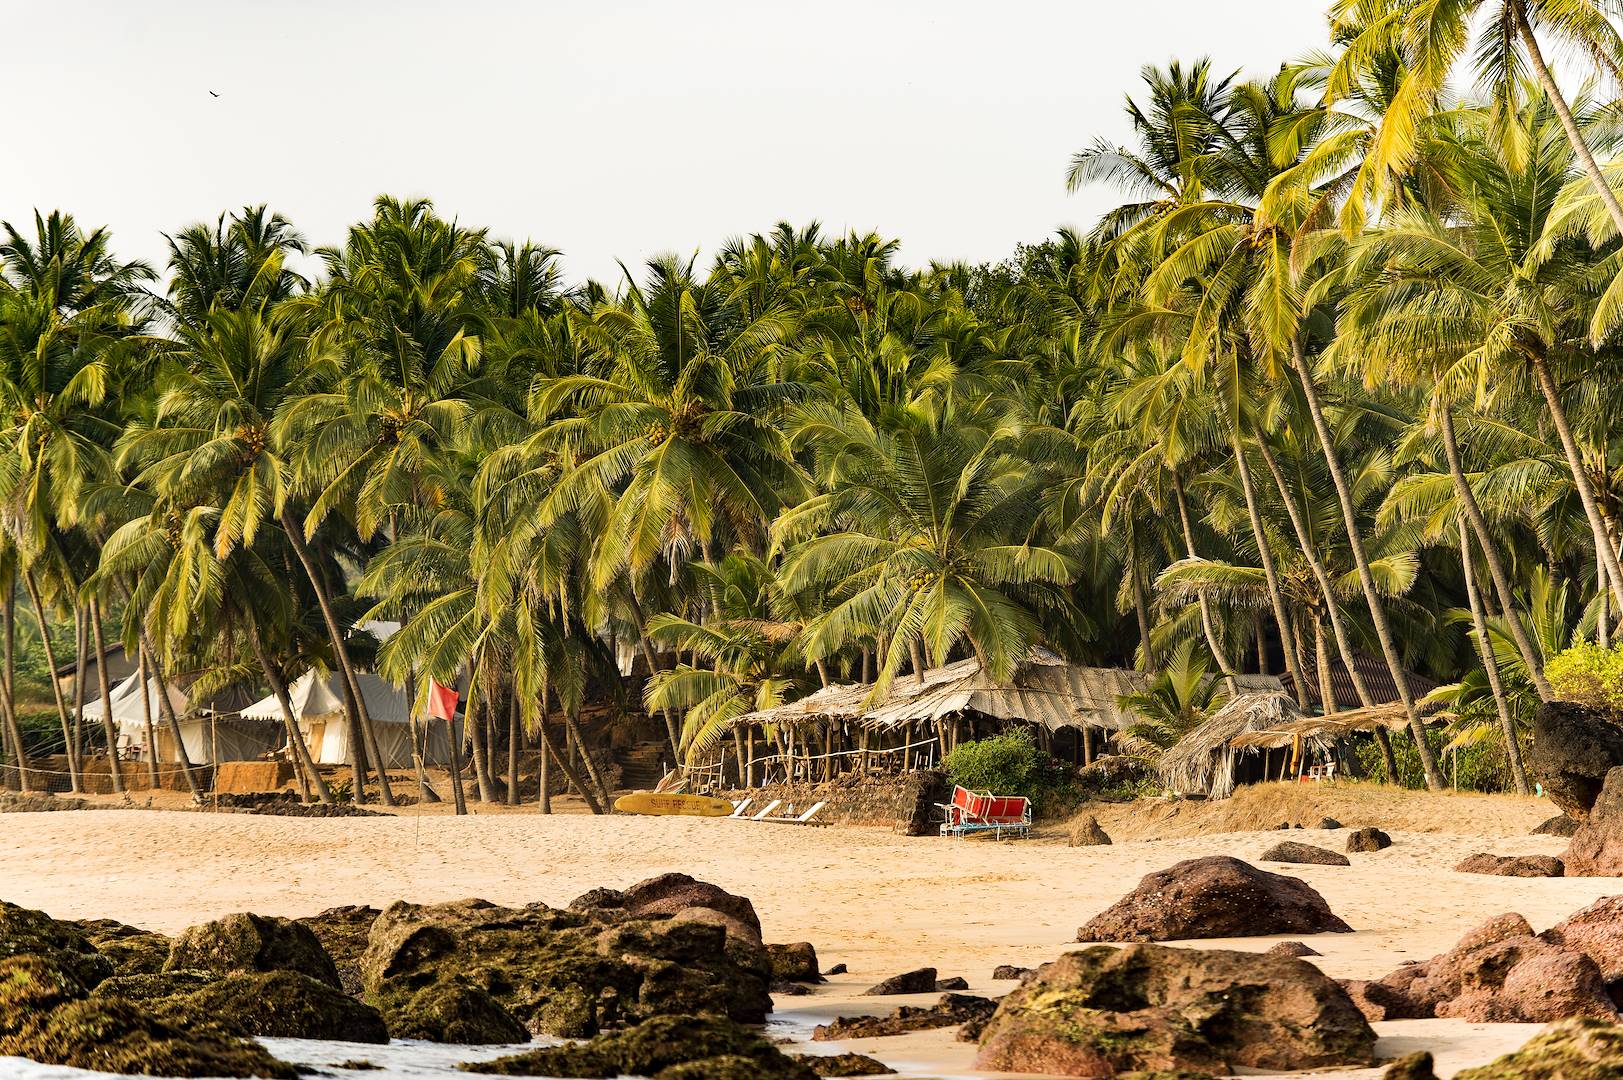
(1377, 678)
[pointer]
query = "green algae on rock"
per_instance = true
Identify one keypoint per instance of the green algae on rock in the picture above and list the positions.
(245, 942)
(23, 930)
(1569, 1050)
(653, 1047)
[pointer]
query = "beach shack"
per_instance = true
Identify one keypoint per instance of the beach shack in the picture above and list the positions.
(1070, 708)
(207, 734)
(1211, 760)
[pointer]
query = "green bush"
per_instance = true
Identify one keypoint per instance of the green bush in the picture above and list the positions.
(1480, 767)
(1010, 764)
(1590, 674)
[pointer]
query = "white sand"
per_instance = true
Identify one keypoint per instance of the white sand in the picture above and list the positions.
(878, 902)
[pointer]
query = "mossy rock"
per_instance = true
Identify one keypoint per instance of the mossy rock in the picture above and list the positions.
(130, 949)
(24, 930)
(155, 986)
(844, 1065)
(653, 1047)
(246, 942)
(278, 1004)
(563, 973)
(451, 1013)
(112, 1035)
(31, 985)
(1570, 1050)
(344, 934)
(726, 1067)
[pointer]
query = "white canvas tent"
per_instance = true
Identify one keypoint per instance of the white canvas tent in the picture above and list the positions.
(206, 739)
(318, 706)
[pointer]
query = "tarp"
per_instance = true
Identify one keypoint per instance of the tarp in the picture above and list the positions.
(127, 710)
(318, 706)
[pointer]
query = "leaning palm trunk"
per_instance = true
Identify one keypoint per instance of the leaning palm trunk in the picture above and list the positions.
(303, 764)
(146, 717)
(1366, 577)
(574, 778)
(1563, 111)
(81, 644)
(1141, 607)
(1490, 552)
(1206, 625)
(295, 534)
(478, 729)
(106, 697)
(167, 708)
(572, 722)
(1490, 663)
(8, 606)
(1321, 577)
(1580, 478)
(1287, 639)
(56, 688)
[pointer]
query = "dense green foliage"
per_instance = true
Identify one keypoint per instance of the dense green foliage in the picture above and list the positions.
(1010, 763)
(1339, 375)
(1589, 673)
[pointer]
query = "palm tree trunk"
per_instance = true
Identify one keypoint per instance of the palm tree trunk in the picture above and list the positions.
(167, 709)
(1206, 625)
(569, 772)
(1490, 663)
(1563, 111)
(916, 655)
(1366, 577)
(572, 722)
(512, 747)
(303, 763)
(8, 609)
(1580, 479)
(546, 755)
(1271, 573)
(1321, 576)
(476, 737)
(358, 757)
(146, 716)
(647, 648)
(56, 687)
(1141, 606)
(106, 697)
(1490, 551)
(295, 534)
(81, 644)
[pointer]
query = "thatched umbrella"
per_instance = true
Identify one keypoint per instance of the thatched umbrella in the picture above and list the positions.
(1204, 760)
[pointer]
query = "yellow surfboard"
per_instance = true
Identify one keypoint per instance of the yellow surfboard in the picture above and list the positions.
(652, 802)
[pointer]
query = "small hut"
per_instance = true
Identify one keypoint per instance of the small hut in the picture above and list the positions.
(1207, 761)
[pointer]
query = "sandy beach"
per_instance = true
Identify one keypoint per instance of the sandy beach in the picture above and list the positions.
(878, 902)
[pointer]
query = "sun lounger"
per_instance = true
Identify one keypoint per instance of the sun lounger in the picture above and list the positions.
(970, 814)
(740, 806)
(767, 809)
(804, 819)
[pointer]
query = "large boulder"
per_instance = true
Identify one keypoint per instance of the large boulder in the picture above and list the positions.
(1574, 747)
(917, 981)
(112, 1035)
(702, 1046)
(277, 1004)
(343, 932)
(246, 942)
(679, 896)
(131, 950)
(1528, 866)
(26, 931)
(1597, 932)
(1596, 848)
(1213, 897)
(563, 973)
(1289, 851)
(795, 962)
(450, 1012)
(1560, 825)
(1501, 972)
(1571, 1050)
(1103, 1012)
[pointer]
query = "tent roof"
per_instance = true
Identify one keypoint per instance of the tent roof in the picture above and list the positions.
(313, 698)
(1045, 690)
(126, 699)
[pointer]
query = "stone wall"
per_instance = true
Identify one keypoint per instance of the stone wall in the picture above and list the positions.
(903, 803)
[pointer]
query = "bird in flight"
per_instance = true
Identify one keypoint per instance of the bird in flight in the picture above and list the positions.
(213, 94)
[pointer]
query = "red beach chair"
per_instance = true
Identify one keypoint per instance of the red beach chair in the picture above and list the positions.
(970, 813)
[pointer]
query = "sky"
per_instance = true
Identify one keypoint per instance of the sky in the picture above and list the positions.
(612, 130)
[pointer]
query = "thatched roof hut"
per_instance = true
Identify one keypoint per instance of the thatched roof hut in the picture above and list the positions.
(1046, 691)
(1205, 760)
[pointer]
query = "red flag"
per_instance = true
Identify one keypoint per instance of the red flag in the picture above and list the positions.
(441, 701)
